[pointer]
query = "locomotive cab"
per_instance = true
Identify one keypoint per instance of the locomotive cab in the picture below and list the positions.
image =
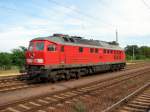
(35, 58)
(41, 54)
(35, 53)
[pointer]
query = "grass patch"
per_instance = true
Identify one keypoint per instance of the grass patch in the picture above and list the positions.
(79, 107)
(13, 71)
(136, 61)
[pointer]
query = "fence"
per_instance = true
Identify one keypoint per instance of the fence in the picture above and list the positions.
(5, 67)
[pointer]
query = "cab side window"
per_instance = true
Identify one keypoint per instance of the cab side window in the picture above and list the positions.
(62, 48)
(51, 48)
(80, 49)
(91, 50)
(105, 51)
(96, 50)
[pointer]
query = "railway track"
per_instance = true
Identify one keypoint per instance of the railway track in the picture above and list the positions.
(12, 79)
(18, 77)
(10, 86)
(138, 101)
(47, 102)
(133, 66)
(14, 83)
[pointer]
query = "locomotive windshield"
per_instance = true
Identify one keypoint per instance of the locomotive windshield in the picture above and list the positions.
(40, 46)
(31, 46)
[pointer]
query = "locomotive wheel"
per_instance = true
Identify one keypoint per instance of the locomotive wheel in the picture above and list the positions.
(111, 69)
(54, 77)
(67, 76)
(117, 67)
(78, 75)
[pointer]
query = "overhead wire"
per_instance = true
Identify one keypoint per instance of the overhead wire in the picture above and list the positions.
(83, 14)
(145, 3)
(92, 18)
(68, 7)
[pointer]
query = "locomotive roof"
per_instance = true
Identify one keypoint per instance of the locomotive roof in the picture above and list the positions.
(80, 41)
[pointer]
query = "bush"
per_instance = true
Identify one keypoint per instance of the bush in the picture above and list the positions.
(141, 53)
(18, 57)
(5, 61)
(15, 58)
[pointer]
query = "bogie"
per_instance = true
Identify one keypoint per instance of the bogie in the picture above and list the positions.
(76, 73)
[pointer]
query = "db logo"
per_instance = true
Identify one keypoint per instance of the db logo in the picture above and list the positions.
(31, 55)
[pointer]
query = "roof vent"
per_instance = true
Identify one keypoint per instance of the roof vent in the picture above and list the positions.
(60, 35)
(76, 37)
(113, 43)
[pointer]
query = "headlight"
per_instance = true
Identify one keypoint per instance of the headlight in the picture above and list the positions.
(39, 60)
(29, 60)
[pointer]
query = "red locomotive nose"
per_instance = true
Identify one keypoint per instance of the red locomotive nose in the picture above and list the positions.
(35, 53)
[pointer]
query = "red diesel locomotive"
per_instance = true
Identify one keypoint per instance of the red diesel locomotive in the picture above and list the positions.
(64, 56)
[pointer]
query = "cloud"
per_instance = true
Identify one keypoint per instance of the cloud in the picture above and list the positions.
(130, 17)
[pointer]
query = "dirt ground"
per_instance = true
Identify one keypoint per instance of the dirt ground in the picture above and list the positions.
(51, 88)
(97, 102)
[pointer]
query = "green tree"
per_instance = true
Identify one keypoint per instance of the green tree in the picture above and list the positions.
(5, 60)
(129, 49)
(18, 56)
(145, 51)
(142, 52)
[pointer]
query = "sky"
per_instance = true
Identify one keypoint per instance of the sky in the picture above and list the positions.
(23, 20)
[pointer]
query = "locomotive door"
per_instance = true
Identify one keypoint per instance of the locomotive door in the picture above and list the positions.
(62, 55)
